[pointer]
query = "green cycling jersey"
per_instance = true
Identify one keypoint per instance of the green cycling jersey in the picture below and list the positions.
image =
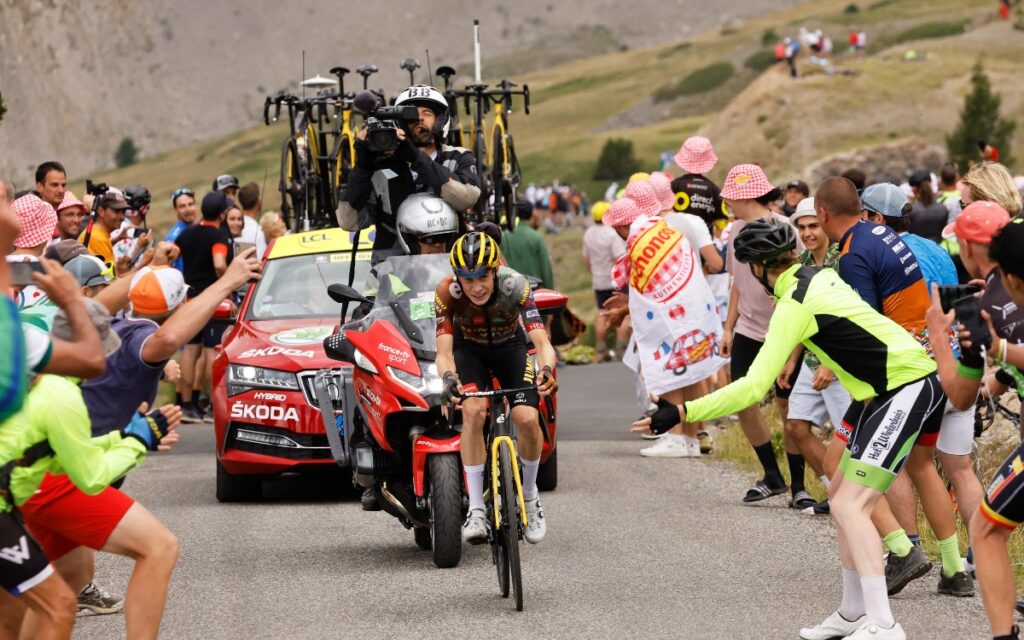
(869, 353)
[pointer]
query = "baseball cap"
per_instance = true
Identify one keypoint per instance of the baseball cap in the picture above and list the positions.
(800, 186)
(156, 290)
(90, 271)
(978, 222)
(224, 181)
(214, 204)
(696, 155)
(100, 317)
(886, 199)
(919, 176)
(804, 208)
(113, 200)
(746, 182)
(65, 250)
(37, 220)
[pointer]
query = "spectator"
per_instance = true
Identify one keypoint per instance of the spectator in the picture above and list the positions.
(38, 220)
(991, 182)
(791, 48)
(234, 222)
(857, 177)
(525, 249)
(694, 193)
(64, 250)
(206, 251)
(949, 194)
(602, 247)
(228, 184)
(70, 214)
(51, 182)
(927, 216)
(795, 191)
(272, 226)
(695, 230)
(184, 202)
(251, 200)
(109, 216)
(90, 273)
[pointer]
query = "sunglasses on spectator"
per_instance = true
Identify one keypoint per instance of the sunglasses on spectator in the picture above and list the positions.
(184, 191)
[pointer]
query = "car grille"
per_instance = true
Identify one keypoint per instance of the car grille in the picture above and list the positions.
(280, 443)
(306, 379)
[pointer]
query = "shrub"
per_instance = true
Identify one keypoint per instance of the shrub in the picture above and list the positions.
(931, 30)
(851, 9)
(769, 37)
(127, 153)
(760, 60)
(700, 81)
(617, 160)
(3, 109)
(979, 120)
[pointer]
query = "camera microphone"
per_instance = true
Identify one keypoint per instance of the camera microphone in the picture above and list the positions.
(365, 102)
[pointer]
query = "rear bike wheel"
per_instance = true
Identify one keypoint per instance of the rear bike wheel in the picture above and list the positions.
(511, 523)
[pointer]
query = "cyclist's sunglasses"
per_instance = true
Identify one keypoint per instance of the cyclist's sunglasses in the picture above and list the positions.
(184, 191)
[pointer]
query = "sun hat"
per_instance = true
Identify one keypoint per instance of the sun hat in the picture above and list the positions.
(696, 155)
(885, 198)
(100, 317)
(156, 290)
(639, 176)
(622, 213)
(745, 182)
(642, 193)
(662, 185)
(69, 201)
(37, 220)
(90, 271)
(978, 222)
(804, 208)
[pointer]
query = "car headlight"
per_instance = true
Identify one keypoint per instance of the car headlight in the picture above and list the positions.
(427, 384)
(364, 363)
(244, 377)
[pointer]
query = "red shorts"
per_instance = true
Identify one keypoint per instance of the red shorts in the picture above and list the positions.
(61, 517)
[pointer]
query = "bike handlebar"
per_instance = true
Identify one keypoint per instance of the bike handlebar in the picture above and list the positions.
(492, 393)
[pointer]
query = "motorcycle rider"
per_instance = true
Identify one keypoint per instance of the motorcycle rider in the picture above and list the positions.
(379, 184)
(479, 335)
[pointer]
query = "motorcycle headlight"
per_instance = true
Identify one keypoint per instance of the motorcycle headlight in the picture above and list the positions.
(427, 384)
(364, 363)
(244, 377)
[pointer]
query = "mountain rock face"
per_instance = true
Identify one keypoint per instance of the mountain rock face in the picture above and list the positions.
(77, 76)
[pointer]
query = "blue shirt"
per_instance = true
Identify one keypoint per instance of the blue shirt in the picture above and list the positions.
(172, 235)
(936, 265)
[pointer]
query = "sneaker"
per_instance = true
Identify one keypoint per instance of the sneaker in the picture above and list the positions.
(536, 526)
(899, 572)
(672, 447)
(871, 631)
(960, 584)
(94, 599)
(369, 501)
(834, 626)
(802, 500)
(189, 416)
(474, 531)
(694, 449)
(969, 568)
(822, 508)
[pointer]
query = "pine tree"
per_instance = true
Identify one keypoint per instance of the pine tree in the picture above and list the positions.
(127, 153)
(3, 109)
(979, 120)
(616, 161)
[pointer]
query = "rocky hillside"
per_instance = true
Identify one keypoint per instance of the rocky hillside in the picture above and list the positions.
(79, 75)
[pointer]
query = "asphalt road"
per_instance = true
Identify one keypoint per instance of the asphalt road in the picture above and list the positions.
(636, 548)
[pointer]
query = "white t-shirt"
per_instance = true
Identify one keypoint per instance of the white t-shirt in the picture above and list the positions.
(602, 247)
(693, 228)
(251, 232)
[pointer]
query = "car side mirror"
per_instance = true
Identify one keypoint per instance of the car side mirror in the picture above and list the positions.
(224, 314)
(341, 293)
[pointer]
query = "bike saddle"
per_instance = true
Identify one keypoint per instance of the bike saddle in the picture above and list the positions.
(445, 72)
(367, 70)
(410, 64)
(339, 71)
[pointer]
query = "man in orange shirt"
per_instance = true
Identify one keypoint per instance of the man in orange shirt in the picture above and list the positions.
(109, 216)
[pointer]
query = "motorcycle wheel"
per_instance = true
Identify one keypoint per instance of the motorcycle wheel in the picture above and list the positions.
(446, 509)
(422, 535)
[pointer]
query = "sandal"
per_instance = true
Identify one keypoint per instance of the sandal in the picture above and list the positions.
(762, 491)
(802, 500)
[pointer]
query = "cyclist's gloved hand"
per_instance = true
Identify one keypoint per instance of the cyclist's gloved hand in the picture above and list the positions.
(147, 428)
(666, 417)
(407, 151)
(451, 387)
(546, 383)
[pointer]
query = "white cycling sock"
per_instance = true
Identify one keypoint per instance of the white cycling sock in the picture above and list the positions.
(852, 605)
(876, 601)
(475, 484)
(530, 468)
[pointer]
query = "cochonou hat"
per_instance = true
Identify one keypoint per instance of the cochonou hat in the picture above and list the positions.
(37, 219)
(621, 213)
(156, 290)
(90, 271)
(696, 155)
(978, 222)
(885, 198)
(746, 182)
(662, 185)
(804, 208)
(100, 317)
(642, 193)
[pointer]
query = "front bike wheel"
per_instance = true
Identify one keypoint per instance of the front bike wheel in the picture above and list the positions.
(510, 523)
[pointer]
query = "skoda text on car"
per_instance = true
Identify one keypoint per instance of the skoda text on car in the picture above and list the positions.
(265, 412)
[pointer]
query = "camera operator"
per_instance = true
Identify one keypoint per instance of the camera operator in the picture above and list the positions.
(382, 180)
(110, 212)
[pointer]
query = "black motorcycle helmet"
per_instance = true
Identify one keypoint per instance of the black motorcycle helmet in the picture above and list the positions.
(138, 198)
(763, 241)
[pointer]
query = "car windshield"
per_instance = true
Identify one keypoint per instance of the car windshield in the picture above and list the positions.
(296, 287)
(409, 281)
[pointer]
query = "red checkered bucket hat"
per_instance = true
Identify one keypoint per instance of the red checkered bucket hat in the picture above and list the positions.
(662, 185)
(696, 155)
(745, 182)
(643, 194)
(621, 213)
(37, 219)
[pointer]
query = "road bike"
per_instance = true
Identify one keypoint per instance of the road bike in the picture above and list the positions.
(506, 508)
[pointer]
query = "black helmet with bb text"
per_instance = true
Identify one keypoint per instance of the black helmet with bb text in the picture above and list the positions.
(474, 254)
(422, 95)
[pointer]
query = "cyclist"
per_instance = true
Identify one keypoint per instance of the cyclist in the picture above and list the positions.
(897, 397)
(379, 184)
(481, 314)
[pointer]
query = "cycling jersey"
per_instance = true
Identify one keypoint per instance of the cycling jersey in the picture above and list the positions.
(1008, 320)
(497, 321)
(880, 266)
(13, 373)
(869, 353)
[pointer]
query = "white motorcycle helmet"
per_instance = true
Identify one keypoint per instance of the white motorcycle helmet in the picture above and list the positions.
(422, 95)
(425, 217)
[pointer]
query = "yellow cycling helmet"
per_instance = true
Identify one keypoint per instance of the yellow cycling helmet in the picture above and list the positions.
(599, 209)
(474, 254)
(639, 176)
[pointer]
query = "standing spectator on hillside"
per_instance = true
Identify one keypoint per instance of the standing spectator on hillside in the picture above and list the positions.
(695, 193)
(38, 220)
(795, 191)
(228, 184)
(524, 248)
(184, 202)
(927, 217)
(51, 182)
(862, 43)
(251, 201)
(70, 215)
(601, 248)
(792, 49)
(109, 216)
(206, 251)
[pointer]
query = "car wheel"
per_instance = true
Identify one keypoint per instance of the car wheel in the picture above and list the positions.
(232, 488)
(547, 475)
